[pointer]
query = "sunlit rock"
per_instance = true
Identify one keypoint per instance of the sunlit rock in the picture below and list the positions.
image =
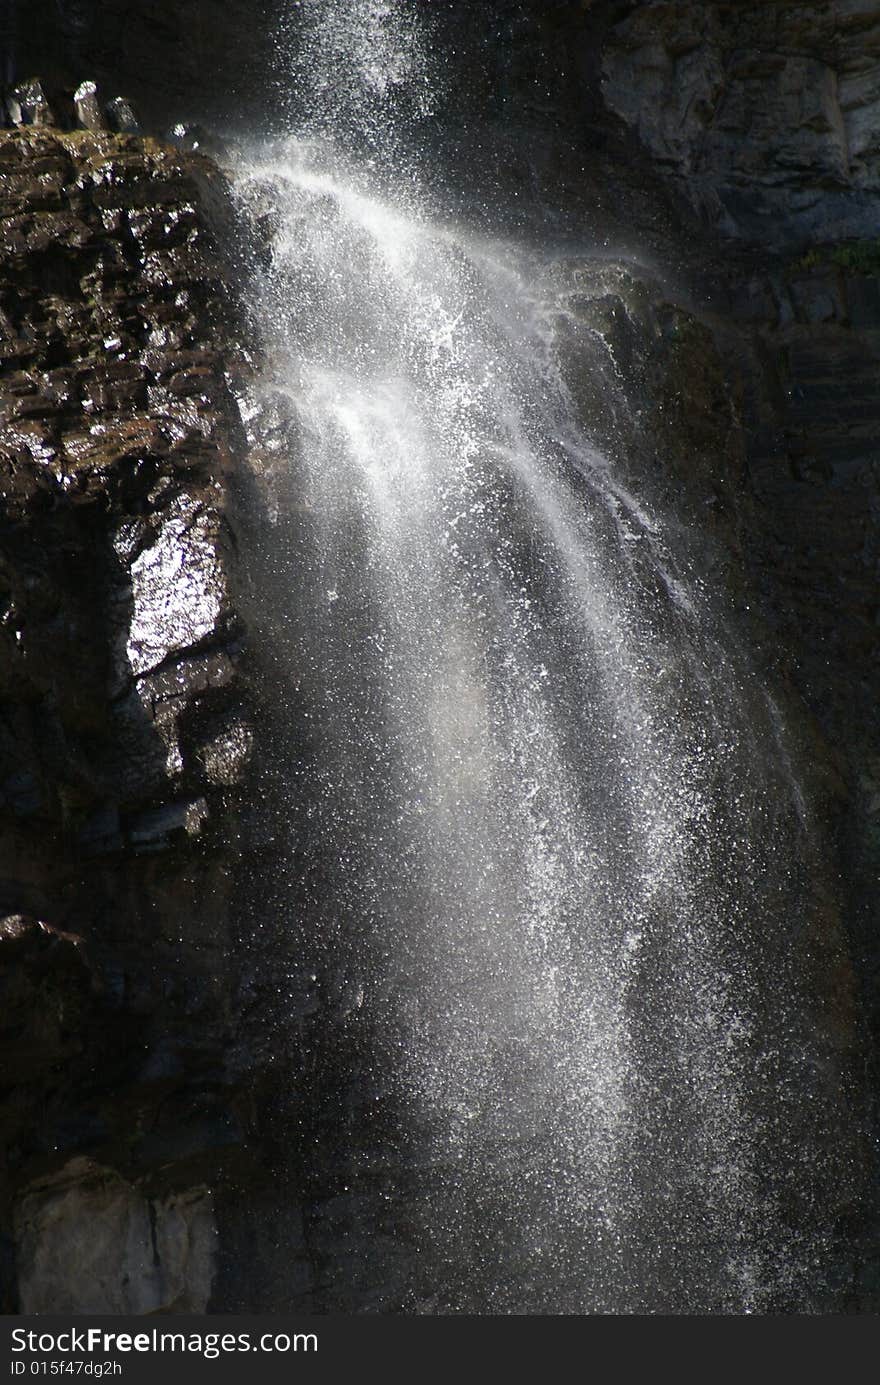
(178, 587)
(227, 753)
(89, 115)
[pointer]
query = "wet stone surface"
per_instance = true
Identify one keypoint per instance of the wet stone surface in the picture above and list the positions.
(125, 735)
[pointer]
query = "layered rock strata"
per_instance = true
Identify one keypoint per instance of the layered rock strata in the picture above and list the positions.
(124, 734)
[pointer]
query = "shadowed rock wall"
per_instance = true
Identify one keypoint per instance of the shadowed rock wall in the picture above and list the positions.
(768, 113)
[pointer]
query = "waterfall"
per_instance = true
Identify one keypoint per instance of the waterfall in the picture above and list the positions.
(547, 843)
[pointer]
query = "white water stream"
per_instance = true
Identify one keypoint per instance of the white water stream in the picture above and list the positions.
(558, 817)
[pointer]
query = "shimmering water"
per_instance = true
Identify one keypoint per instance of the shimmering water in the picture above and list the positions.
(559, 827)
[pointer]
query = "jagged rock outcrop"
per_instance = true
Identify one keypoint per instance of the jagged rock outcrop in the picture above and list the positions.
(117, 428)
(124, 729)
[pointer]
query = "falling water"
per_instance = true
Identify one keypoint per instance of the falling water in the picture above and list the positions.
(544, 831)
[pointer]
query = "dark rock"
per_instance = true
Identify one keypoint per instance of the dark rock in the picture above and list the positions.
(28, 104)
(100, 834)
(122, 731)
(133, 1254)
(21, 793)
(767, 113)
(153, 830)
(46, 986)
(196, 139)
(122, 117)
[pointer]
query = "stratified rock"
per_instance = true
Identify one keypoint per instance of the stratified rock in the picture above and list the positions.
(768, 113)
(120, 664)
(132, 1254)
(128, 420)
(89, 115)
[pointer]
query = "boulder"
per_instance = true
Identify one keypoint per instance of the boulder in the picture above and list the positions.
(132, 1253)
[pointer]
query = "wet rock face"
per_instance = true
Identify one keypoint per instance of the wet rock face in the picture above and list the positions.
(801, 343)
(125, 736)
(117, 428)
(766, 118)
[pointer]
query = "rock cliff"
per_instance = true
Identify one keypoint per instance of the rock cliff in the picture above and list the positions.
(124, 734)
(767, 113)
